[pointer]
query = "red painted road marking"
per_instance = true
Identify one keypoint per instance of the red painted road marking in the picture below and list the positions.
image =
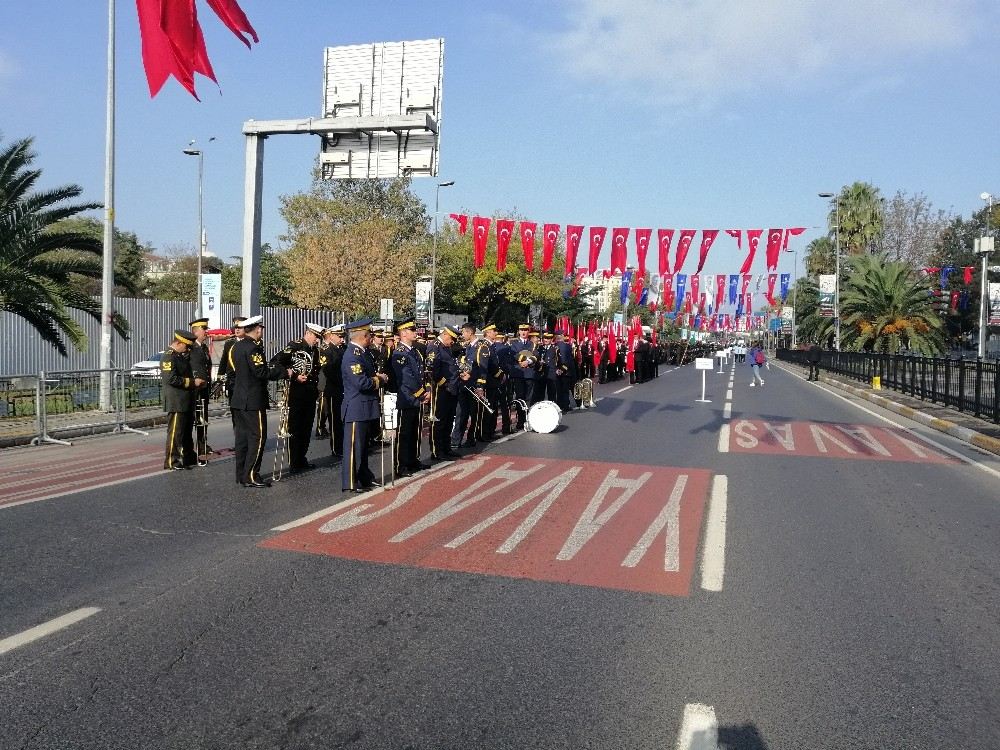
(595, 524)
(830, 440)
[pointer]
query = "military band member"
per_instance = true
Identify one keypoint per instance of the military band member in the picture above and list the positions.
(523, 377)
(333, 388)
(225, 370)
(497, 375)
(473, 369)
(541, 347)
(408, 372)
(201, 366)
(248, 401)
(443, 380)
(179, 388)
(303, 385)
(362, 386)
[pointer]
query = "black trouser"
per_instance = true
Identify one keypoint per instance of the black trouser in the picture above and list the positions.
(541, 388)
(524, 390)
(336, 424)
(201, 415)
(250, 431)
(355, 472)
(407, 437)
(323, 416)
(564, 386)
(814, 370)
(444, 410)
(487, 421)
(467, 424)
(180, 445)
(301, 410)
(504, 391)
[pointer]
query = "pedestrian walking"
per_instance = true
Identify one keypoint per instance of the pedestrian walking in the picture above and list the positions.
(813, 357)
(757, 360)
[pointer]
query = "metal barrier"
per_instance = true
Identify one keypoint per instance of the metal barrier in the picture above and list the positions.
(966, 385)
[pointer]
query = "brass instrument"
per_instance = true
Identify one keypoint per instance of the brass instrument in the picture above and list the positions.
(583, 392)
(482, 401)
(302, 364)
(218, 387)
(522, 406)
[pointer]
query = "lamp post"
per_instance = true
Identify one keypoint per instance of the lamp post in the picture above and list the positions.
(437, 202)
(836, 293)
(201, 223)
(795, 282)
(985, 248)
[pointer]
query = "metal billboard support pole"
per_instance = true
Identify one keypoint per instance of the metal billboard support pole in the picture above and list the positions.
(985, 247)
(107, 272)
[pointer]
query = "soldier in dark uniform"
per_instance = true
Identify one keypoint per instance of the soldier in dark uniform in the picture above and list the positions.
(248, 401)
(225, 365)
(303, 383)
(179, 388)
(542, 344)
(550, 356)
(333, 387)
(565, 371)
(524, 374)
(587, 359)
(497, 375)
(443, 380)
(473, 373)
(408, 372)
(360, 408)
(201, 366)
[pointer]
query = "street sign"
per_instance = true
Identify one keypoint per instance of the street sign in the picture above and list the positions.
(704, 363)
(385, 308)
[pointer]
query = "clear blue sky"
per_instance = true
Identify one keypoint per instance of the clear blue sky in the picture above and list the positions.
(660, 113)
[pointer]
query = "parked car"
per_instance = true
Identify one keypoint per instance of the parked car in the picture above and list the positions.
(147, 368)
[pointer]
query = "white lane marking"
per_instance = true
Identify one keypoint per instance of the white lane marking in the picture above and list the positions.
(669, 519)
(724, 438)
(929, 441)
(699, 728)
(620, 390)
(353, 500)
(729, 393)
(46, 628)
(727, 410)
(713, 553)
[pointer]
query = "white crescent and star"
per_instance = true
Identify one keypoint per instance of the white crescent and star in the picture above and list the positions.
(551, 235)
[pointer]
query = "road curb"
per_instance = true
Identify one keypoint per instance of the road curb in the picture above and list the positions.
(965, 434)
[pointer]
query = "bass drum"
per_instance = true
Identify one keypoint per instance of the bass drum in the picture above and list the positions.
(390, 417)
(544, 416)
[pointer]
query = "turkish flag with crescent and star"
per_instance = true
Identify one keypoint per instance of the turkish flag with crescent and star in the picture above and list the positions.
(528, 243)
(505, 230)
(642, 247)
(619, 248)
(753, 237)
(707, 238)
(789, 233)
(738, 234)
(772, 278)
(480, 236)
(683, 245)
(573, 235)
(597, 235)
(463, 222)
(663, 238)
(720, 290)
(695, 285)
(550, 233)
(774, 238)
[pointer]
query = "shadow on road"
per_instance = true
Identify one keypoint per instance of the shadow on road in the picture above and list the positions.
(744, 737)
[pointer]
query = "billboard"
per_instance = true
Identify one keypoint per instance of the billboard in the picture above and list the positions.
(827, 291)
(211, 299)
(994, 294)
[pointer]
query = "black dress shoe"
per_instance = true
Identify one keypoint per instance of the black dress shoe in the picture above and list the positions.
(404, 473)
(373, 483)
(419, 467)
(256, 484)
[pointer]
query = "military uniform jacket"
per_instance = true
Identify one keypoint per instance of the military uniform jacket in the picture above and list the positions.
(408, 370)
(501, 354)
(477, 354)
(518, 346)
(249, 390)
(224, 368)
(283, 360)
(361, 391)
(442, 368)
(201, 362)
(178, 382)
(329, 362)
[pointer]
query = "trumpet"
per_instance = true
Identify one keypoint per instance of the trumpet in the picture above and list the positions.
(482, 401)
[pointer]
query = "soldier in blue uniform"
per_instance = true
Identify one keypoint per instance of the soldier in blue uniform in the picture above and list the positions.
(473, 372)
(443, 381)
(565, 371)
(408, 373)
(524, 373)
(497, 375)
(360, 407)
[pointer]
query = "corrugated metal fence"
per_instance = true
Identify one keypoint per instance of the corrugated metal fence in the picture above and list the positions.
(152, 323)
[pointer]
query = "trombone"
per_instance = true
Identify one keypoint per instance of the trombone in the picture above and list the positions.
(482, 401)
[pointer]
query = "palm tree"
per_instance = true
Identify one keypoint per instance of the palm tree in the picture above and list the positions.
(861, 218)
(886, 307)
(810, 325)
(37, 259)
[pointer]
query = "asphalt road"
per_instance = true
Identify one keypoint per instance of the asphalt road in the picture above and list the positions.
(792, 569)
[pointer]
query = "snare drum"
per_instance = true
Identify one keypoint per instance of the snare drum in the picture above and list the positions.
(390, 417)
(544, 416)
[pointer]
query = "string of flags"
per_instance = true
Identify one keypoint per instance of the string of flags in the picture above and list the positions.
(958, 299)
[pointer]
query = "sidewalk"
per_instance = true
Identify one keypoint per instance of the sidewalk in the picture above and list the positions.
(965, 427)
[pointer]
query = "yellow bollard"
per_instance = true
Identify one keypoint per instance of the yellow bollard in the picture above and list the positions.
(876, 383)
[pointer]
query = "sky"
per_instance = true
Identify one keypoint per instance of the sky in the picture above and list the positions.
(639, 113)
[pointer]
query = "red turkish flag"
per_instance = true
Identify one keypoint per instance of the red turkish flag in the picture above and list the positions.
(505, 230)
(774, 237)
(668, 291)
(550, 233)
(753, 237)
(707, 238)
(720, 290)
(967, 274)
(612, 344)
(747, 278)
(597, 235)
(480, 236)
(664, 237)
(573, 235)
(683, 245)
(528, 243)
(231, 14)
(791, 232)
(619, 248)
(642, 247)
(771, 279)
(637, 286)
(738, 234)
(954, 300)
(463, 222)
(695, 284)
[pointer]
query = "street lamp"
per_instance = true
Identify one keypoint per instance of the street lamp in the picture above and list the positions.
(437, 201)
(795, 288)
(836, 294)
(201, 221)
(985, 248)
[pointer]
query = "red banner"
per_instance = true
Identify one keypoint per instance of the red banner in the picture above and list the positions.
(463, 222)
(573, 235)
(771, 279)
(597, 235)
(505, 230)
(789, 233)
(774, 237)
(528, 243)
(664, 237)
(683, 245)
(707, 238)
(720, 290)
(550, 233)
(480, 236)
(619, 249)
(753, 237)
(642, 247)
(695, 285)
(747, 278)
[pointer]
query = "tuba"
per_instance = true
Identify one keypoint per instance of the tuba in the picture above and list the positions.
(583, 392)
(302, 364)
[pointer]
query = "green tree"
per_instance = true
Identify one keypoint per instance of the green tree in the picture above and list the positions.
(886, 307)
(181, 283)
(810, 325)
(859, 207)
(129, 255)
(275, 281)
(38, 260)
(819, 257)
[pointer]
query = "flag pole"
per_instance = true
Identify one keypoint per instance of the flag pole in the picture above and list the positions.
(109, 219)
